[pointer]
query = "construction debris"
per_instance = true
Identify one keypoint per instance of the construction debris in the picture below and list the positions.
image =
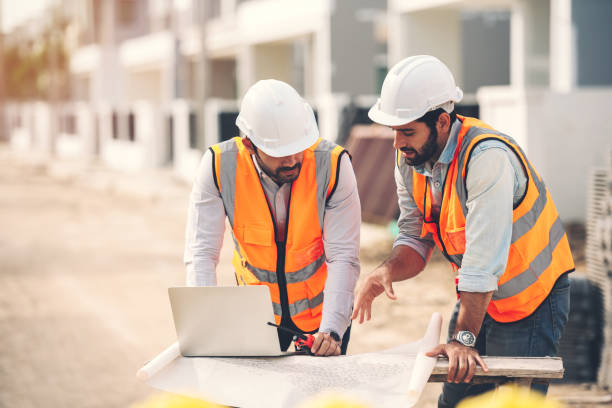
(599, 257)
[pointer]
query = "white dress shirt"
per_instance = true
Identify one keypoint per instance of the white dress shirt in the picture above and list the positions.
(341, 227)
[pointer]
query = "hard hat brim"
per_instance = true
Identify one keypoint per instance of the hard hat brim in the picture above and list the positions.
(383, 118)
(293, 148)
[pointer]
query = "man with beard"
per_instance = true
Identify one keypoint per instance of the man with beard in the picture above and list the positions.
(291, 201)
(470, 190)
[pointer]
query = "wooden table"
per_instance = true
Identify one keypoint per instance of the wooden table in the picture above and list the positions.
(521, 370)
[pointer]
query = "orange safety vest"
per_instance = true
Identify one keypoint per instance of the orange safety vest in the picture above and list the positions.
(539, 251)
(294, 270)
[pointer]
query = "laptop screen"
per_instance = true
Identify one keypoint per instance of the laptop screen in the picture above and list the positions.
(224, 321)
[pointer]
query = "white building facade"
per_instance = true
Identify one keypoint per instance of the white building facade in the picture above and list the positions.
(184, 64)
(538, 70)
(155, 82)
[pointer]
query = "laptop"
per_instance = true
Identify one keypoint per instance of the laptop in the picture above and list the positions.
(224, 321)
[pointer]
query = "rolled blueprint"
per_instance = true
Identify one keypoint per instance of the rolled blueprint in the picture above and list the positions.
(159, 362)
(423, 365)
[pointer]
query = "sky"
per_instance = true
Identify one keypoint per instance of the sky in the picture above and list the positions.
(16, 11)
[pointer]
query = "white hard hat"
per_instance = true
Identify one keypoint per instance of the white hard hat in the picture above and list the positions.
(276, 119)
(413, 87)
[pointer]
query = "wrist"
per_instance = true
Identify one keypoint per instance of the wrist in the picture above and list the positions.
(465, 338)
(332, 334)
(383, 270)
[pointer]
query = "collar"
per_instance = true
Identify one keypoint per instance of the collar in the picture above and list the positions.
(447, 154)
(262, 174)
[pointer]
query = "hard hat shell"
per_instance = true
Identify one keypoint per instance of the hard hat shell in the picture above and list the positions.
(276, 119)
(413, 87)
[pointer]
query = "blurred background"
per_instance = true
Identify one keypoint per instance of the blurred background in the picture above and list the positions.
(106, 107)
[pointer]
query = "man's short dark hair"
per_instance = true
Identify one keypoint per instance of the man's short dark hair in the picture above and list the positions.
(431, 117)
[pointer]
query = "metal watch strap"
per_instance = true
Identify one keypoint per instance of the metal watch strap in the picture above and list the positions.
(458, 342)
(465, 338)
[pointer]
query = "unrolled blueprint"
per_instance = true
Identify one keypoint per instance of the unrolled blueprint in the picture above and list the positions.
(388, 378)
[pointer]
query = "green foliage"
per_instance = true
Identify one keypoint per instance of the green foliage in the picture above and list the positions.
(37, 68)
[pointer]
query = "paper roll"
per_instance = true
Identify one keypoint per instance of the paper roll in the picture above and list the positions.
(423, 365)
(159, 362)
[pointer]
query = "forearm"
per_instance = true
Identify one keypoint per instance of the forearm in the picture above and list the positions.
(205, 228)
(472, 309)
(203, 241)
(339, 287)
(403, 263)
(337, 310)
(201, 272)
(341, 233)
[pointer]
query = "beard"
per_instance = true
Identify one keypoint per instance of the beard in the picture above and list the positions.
(284, 175)
(426, 152)
(281, 175)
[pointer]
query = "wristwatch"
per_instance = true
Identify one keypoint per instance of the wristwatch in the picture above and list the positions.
(334, 336)
(467, 338)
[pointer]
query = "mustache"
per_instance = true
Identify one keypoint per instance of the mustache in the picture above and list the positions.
(407, 150)
(297, 166)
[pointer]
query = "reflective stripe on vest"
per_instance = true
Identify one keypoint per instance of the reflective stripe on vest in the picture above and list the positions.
(299, 306)
(300, 275)
(300, 280)
(539, 252)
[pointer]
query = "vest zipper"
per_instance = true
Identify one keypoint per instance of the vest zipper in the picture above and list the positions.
(281, 250)
(286, 319)
(281, 279)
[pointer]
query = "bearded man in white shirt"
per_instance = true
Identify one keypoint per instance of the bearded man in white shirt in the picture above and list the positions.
(291, 201)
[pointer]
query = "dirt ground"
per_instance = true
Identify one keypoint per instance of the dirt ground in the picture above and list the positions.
(86, 257)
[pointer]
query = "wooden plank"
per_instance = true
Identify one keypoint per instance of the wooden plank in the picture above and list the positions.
(544, 368)
(585, 399)
(493, 379)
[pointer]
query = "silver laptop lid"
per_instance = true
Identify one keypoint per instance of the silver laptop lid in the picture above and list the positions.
(224, 321)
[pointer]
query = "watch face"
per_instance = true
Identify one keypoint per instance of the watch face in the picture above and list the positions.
(466, 338)
(335, 336)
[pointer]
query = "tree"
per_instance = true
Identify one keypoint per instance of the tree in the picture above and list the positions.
(37, 68)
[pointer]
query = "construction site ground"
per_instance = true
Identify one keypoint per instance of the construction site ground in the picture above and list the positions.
(86, 257)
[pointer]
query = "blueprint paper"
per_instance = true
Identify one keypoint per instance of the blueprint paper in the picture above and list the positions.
(380, 379)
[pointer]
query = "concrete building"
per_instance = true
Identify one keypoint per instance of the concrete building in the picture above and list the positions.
(123, 67)
(539, 70)
(310, 45)
(185, 64)
(154, 82)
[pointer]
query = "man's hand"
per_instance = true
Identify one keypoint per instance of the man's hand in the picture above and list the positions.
(403, 263)
(462, 361)
(324, 345)
(376, 283)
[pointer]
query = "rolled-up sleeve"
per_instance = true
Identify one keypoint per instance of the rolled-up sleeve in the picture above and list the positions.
(341, 229)
(488, 230)
(410, 222)
(205, 227)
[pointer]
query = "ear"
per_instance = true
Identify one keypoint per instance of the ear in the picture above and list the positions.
(248, 145)
(443, 124)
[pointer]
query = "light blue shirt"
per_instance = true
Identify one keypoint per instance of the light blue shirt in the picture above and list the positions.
(495, 183)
